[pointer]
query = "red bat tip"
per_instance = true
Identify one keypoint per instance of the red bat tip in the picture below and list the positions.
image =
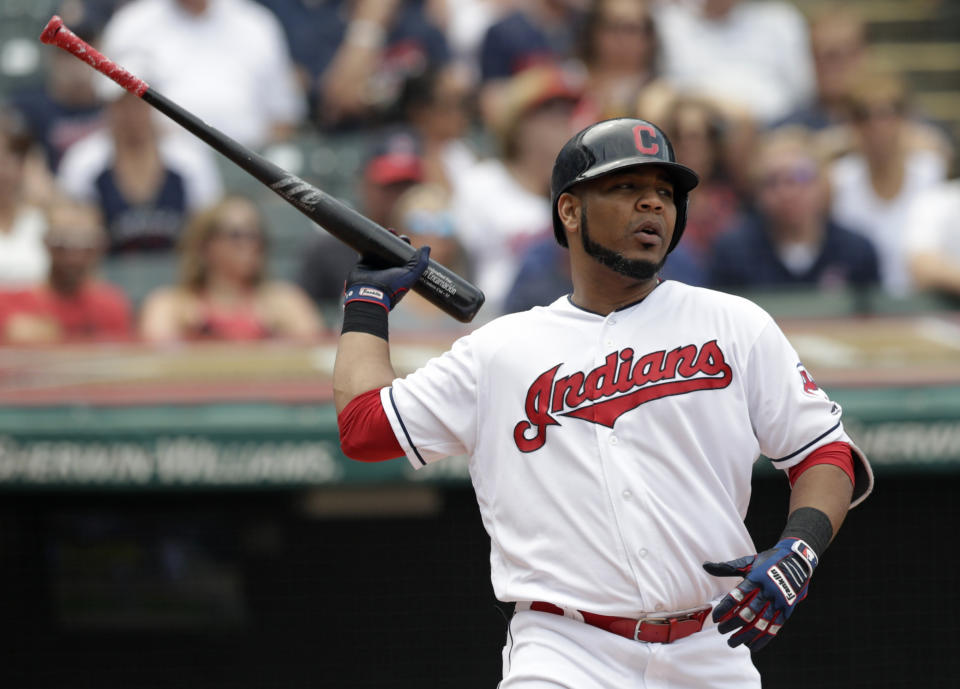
(51, 29)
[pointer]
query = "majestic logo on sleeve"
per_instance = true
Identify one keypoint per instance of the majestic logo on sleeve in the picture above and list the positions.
(615, 387)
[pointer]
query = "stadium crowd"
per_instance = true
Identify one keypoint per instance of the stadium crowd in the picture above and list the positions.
(817, 170)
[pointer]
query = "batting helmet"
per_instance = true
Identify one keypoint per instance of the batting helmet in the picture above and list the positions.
(613, 145)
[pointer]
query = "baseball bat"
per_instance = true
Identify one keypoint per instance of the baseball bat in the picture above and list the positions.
(441, 286)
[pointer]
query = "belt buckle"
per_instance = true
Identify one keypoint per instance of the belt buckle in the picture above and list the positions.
(648, 620)
(695, 615)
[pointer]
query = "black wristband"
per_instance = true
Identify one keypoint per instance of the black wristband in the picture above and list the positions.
(365, 317)
(811, 525)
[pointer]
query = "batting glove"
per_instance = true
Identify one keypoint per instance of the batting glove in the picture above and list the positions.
(774, 582)
(373, 282)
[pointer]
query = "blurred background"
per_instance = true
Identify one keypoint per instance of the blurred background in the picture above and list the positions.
(174, 507)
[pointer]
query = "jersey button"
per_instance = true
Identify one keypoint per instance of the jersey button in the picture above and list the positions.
(643, 553)
(627, 495)
(613, 440)
(612, 321)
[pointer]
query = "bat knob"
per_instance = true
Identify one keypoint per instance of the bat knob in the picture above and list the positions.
(51, 29)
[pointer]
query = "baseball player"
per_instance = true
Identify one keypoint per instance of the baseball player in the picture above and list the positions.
(611, 438)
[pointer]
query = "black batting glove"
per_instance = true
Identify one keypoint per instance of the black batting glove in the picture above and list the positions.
(374, 282)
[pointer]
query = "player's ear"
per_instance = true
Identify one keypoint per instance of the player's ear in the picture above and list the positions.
(569, 208)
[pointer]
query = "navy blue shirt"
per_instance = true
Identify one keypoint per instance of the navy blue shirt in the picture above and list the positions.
(514, 43)
(55, 126)
(148, 226)
(543, 276)
(315, 29)
(746, 257)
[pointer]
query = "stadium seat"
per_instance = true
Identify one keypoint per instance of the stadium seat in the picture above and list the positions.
(139, 274)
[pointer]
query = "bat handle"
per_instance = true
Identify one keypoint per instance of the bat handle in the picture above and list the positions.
(56, 33)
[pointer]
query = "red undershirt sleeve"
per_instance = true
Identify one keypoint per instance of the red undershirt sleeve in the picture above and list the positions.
(838, 454)
(365, 432)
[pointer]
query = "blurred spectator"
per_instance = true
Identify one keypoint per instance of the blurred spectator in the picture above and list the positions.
(23, 260)
(465, 24)
(841, 57)
(932, 234)
(226, 61)
(542, 277)
(379, 44)
(699, 131)
(753, 53)
(873, 186)
(791, 241)
(532, 33)
(422, 213)
(838, 42)
(71, 304)
(393, 165)
(685, 266)
(503, 205)
(436, 105)
(619, 49)
(313, 31)
(146, 184)
(223, 292)
(64, 108)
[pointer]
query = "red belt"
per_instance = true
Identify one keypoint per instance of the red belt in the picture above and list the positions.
(660, 630)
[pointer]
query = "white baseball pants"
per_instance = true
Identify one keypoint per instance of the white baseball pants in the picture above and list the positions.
(545, 651)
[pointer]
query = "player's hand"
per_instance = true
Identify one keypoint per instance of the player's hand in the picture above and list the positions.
(774, 581)
(373, 281)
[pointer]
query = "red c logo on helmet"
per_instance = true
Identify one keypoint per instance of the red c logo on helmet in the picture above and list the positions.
(645, 138)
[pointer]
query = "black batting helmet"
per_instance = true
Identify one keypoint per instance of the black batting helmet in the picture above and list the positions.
(613, 145)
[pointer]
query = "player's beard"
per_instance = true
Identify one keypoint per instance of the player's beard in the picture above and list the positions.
(639, 269)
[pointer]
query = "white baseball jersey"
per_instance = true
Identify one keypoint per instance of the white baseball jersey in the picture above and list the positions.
(612, 455)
